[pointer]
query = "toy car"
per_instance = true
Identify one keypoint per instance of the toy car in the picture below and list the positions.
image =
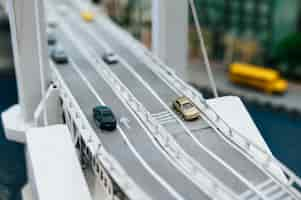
(186, 108)
(88, 16)
(110, 58)
(104, 118)
(59, 56)
(51, 39)
(52, 22)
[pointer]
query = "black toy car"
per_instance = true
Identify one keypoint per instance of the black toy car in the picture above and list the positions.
(104, 118)
(51, 38)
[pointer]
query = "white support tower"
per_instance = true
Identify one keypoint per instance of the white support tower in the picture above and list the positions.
(170, 33)
(27, 24)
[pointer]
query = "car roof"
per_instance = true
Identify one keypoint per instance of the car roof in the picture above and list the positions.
(183, 100)
(102, 108)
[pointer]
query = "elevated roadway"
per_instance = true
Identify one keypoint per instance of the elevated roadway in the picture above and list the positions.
(157, 98)
(198, 139)
(130, 145)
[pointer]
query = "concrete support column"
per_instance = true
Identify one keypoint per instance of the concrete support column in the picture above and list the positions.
(170, 33)
(28, 31)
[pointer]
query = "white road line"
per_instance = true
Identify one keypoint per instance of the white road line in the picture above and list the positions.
(90, 58)
(125, 36)
(198, 166)
(127, 183)
(187, 131)
(132, 148)
(227, 139)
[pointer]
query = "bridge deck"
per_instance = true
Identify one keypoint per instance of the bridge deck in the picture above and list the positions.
(131, 143)
(135, 133)
(167, 95)
(154, 106)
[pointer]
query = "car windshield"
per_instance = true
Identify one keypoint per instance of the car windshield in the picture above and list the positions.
(187, 106)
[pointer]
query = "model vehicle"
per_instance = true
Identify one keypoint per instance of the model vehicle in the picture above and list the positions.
(59, 56)
(104, 118)
(51, 39)
(110, 58)
(186, 108)
(88, 16)
(261, 78)
(52, 22)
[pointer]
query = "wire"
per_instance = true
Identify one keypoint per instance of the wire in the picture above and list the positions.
(203, 48)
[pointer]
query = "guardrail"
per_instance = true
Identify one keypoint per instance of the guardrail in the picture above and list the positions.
(260, 157)
(232, 136)
(193, 171)
(92, 141)
(104, 45)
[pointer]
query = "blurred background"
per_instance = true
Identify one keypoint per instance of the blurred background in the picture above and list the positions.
(264, 36)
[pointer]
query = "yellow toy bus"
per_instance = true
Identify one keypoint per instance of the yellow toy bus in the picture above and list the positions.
(257, 77)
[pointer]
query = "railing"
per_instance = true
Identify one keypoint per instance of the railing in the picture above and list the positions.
(193, 171)
(159, 132)
(237, 139)
(262, 157)
(94, 144)
(104, 45)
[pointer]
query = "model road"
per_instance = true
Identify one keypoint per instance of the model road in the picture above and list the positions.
(135, 133)
(123, 154)
(204, 134)
(153, 104)
(157, 107)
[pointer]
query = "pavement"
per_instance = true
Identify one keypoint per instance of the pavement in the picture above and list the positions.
(132, 145)
(167, 95)
(136, 135)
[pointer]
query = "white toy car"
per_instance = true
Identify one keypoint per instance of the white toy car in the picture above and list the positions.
(110, 58)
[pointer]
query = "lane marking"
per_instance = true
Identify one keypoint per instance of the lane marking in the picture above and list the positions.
(132, 148)
(125, 121)
(85, 53)
(187, 131)
(119, 173)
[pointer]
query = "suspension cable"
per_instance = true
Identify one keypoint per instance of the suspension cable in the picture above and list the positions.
(203, 48)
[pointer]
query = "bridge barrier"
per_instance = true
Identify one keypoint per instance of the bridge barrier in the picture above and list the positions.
(92, 141)
(261, 158)
(197, 174)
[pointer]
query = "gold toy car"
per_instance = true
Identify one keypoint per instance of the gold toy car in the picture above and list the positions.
(186, 108)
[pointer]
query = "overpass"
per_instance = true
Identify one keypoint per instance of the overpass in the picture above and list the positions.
(153, 154)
